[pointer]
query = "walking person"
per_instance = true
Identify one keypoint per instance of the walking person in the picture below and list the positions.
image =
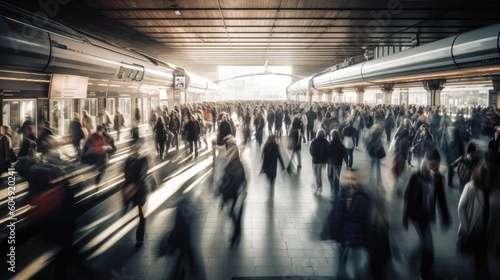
(192, 131)
(474, 212)
(5, 148)
(77, 134)
(422, 144)
(350, 144)
(336, 155)
(259, 124)
(401, 144)
(270, 157)
(175, 126)
(278, 122)
(135, 189)
(87, 123)
(311, 117)
(294, 143)
(160, 138)
(352, 223)
(466, 165)
(319, 153)
(106, 119)
(247, 120)
(232, 185)
(376, 151)
(270, 121)
(425, 189)
(389, 124)
(28, 137)
(119, 123)
(95, 152)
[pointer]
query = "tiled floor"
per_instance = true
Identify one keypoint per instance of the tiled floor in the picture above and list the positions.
(280, 237)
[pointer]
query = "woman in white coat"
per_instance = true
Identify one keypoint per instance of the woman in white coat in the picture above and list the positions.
(473, 212)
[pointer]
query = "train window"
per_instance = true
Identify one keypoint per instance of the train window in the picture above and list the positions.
(125, 106)
(15, 113)
(111, 107)
(145, 108)
(90, 106)
(155, 103)
(60, 116)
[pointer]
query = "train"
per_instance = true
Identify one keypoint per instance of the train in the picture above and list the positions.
(471, 54)
(49, 72)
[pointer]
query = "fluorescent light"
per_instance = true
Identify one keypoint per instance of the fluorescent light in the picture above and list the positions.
(177, 12)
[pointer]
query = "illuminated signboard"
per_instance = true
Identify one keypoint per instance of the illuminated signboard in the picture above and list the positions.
(68, 86)
(179, 80)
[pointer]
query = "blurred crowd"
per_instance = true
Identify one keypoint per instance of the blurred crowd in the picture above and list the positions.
(426, 146)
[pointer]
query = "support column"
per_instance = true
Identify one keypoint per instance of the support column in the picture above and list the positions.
(329, 96)
(338, 95)
(360, 95)
(387, 90)
(433, 88)
(309, 96)
(319, 96)
(494, 94)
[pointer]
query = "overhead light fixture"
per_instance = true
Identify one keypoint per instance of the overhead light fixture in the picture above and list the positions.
(177, 12)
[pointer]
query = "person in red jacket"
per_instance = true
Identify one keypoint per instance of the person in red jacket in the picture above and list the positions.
(95, 152)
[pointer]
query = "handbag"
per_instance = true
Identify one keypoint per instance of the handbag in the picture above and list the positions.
(129, 191)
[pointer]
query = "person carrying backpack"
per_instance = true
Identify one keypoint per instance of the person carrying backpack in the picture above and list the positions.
(465, 166)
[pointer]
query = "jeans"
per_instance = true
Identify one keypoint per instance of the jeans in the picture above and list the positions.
(317, 167)
(375, 162)
(334, 178)
(349, 159)
(427, 258)
(309, 133)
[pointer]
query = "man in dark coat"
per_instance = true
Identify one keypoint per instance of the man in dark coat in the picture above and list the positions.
(76, 133)
(135, 169)
(271, 155)
(350, 131)
(319, 154)
(426, 189)
(294, 140)
(311, 117)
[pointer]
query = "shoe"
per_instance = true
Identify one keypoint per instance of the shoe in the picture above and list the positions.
(139, 244)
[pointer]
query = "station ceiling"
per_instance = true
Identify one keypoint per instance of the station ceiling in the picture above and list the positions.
(307, 34)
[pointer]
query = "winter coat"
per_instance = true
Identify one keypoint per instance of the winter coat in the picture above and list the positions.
(319, 150)
(336, 152)
(135, 170)
(271, 155)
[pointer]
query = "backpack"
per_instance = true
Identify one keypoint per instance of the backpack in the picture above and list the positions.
(464, 171)
(348, 142)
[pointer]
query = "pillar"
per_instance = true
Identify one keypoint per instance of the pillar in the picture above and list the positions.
(338, 95)
(360, 95)
(329, 96)
(433, 88)
(494, 94)
(387, 91)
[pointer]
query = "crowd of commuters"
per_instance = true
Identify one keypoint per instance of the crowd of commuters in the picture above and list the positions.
(417, 139)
